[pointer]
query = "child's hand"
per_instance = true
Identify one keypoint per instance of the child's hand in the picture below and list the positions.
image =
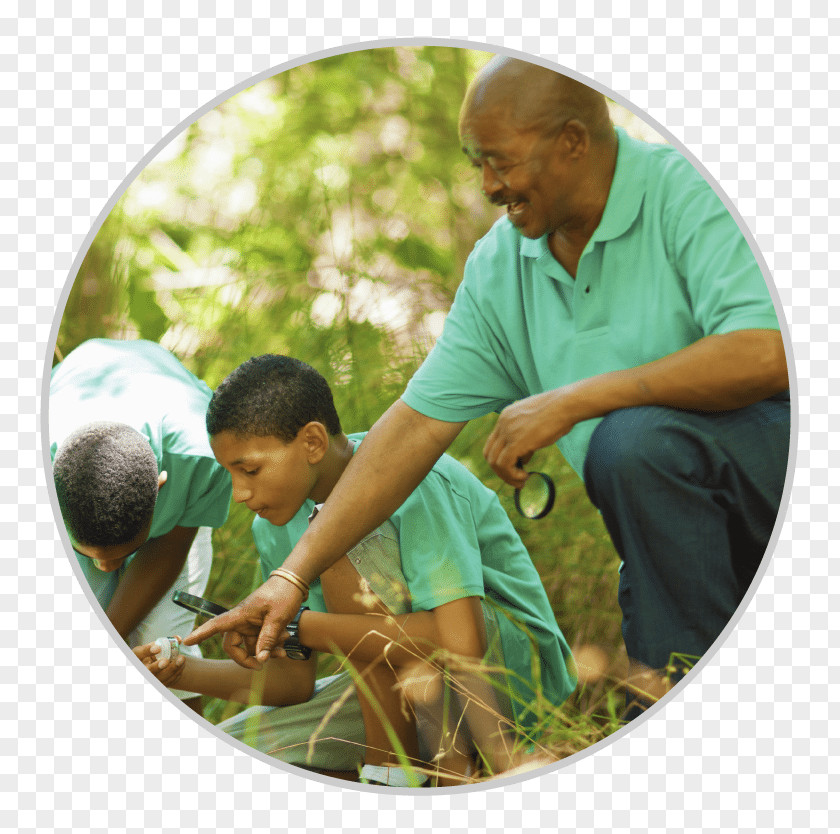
(166, 671)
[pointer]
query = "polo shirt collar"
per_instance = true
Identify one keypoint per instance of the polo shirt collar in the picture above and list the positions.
(626, 192)
(623, 203)
(533, 247)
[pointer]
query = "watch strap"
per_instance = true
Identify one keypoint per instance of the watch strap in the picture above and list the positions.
(300, 651)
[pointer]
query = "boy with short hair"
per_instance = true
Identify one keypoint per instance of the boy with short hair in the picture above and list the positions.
(445, 579)
(137, 483)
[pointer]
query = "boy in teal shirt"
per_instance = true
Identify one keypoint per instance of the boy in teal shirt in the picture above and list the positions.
(137, 483)
(446, 573)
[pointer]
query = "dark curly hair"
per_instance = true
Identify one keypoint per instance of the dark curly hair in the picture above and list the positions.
(272, 396)
(106, 477)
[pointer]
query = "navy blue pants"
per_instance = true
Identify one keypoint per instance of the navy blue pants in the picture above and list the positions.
(690, 500)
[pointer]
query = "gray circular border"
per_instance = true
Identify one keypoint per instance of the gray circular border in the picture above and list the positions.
(455, 44)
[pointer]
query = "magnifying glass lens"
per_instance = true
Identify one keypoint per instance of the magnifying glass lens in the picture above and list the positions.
(536, 497)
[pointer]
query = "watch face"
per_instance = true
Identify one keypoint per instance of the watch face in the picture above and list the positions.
(298, 652)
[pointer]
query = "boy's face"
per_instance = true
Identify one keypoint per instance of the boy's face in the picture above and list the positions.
(271, 477)
(109, 558)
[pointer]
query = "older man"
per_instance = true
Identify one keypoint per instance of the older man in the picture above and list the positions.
(618, 312)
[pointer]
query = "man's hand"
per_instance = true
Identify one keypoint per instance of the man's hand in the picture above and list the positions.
(255, 628)
(524, 427)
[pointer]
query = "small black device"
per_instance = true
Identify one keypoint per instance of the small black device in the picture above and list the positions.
(198, 605)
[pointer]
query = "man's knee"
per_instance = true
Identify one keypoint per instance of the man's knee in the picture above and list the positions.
(633, 441)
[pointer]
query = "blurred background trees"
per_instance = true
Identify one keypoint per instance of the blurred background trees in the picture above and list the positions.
(326, 213)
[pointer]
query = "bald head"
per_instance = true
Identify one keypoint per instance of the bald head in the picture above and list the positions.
(531, 97)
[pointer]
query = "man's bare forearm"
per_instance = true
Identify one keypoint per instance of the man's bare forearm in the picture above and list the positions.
(716, 373)
(398, 452)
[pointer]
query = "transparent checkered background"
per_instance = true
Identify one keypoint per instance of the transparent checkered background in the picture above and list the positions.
(87, 743)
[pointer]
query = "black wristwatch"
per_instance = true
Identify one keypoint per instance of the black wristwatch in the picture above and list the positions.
(293, 647)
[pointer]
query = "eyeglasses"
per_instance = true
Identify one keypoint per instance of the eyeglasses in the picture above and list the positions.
(502, 169)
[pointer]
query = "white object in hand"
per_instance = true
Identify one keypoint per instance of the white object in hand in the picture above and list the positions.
(168, 647)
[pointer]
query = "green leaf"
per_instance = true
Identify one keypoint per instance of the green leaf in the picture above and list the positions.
(418, 254)
(147, 314)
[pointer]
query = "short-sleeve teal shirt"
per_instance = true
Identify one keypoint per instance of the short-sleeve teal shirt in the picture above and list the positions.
(456, 541)
(666, 266)
(143, 385)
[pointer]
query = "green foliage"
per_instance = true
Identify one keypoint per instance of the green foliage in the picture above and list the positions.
(326, 213)
(147, 314)
(416, 253)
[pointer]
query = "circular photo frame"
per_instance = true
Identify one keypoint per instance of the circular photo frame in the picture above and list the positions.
(326, 211)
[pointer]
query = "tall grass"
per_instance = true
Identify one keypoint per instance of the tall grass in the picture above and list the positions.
(579, 569)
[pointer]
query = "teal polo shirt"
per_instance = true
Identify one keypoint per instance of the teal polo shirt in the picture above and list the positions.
(143, 385)
(455, 541)
(666, 266)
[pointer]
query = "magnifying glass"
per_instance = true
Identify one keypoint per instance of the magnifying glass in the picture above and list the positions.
(535, 498)
(198, 605)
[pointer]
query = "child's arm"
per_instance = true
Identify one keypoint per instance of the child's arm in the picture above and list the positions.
(457, 627)
(154, 568)
(279, 683)
(404, 639)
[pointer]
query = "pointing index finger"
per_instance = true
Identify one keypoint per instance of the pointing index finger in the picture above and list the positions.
(223, 622)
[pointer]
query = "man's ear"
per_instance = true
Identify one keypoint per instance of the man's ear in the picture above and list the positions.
(162, 478)
(316, 441)
(575, 139)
